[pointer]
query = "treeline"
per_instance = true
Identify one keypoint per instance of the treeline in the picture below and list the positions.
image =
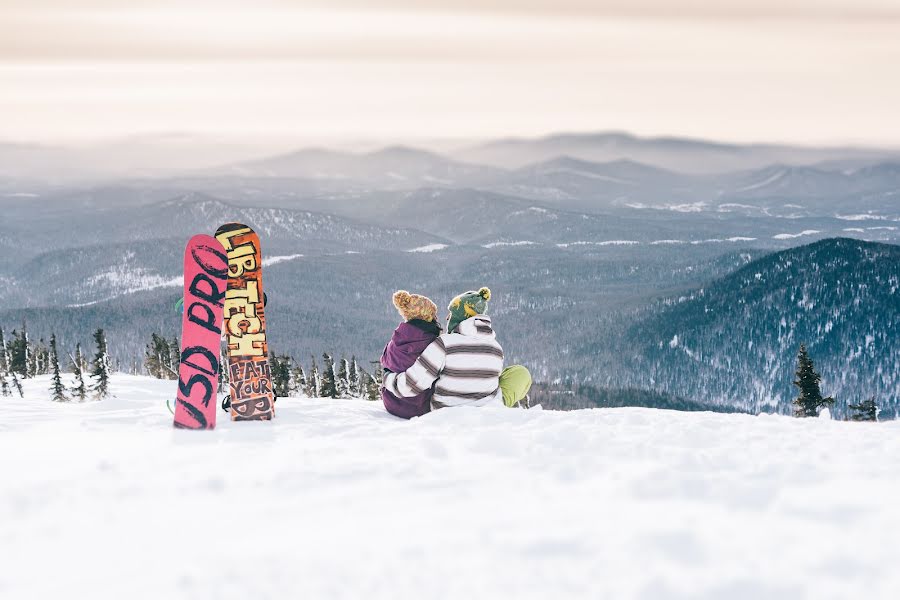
(575, 397)
(21, 358)
(341, 379)
(335, 379)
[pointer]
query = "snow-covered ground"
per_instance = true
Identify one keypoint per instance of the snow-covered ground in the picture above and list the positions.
(336, 499)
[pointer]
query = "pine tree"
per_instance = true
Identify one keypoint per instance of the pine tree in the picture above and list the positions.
(100, 367)
(34, 354)
(17, 384)
(290, 385)
(280, 372)
(162, 357)
(298, 380)
(79, 390)
(328, 385)
(27, 358)
(17, 349)
(373, 386)
(810, 400)
(4, 367)
(41, 359)
(224, 375)
(57, 389)
(342, 381)
(354, 381)
(314, 381)
(153, 358)
(7, 356)
(867, 410)
(174, 358)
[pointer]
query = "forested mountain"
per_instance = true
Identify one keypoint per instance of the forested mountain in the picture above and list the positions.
(734, 342)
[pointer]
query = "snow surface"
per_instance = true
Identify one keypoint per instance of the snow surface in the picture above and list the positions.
(605, 243)
(655, 242)
(861, 217)
(790, 236)
(337, 499)
(693, 207)
(768, 180)
(429, 248)
(499, 244)
(274, 260)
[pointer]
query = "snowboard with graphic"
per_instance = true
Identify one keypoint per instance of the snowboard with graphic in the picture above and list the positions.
(252, 398)
(205, 283)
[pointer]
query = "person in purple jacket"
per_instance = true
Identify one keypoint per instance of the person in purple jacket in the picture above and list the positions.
(418, 330)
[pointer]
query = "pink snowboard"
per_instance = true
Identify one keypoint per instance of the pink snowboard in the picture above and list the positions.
(205, 281)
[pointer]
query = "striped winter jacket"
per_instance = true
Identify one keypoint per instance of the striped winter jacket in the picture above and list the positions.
(465, 365)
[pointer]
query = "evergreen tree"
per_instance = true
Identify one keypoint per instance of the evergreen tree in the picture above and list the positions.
(328, 385)
(57, 389)
(158, 358)
(280, 372)
(7, 353)
(314, 381)
(17, 384)
(354, 381)
(867, 410)
(34, 354)
(18, 353)
(27, 358)
(174, 358)
(79, 390)
(100, 367)
(373, 385)
(290, 384)
(810, 400)
(40, 358)
(224, 375)
(4, 367)
(342, 382)
(151, 357)
(298, 380)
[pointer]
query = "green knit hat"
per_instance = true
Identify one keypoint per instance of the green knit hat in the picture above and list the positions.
(467, 305)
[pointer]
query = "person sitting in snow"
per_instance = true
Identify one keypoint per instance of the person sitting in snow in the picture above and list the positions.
(464, 365)
(418, 329)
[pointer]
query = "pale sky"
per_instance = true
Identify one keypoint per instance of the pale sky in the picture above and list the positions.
(803, 71)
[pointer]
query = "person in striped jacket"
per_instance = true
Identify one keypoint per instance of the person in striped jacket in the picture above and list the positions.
(464, 365)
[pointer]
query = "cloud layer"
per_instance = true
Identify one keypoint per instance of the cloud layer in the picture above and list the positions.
(807, 71)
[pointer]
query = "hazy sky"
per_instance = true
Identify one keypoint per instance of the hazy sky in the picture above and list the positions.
(807, 71)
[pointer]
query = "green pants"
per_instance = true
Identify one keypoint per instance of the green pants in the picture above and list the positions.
(515, 381)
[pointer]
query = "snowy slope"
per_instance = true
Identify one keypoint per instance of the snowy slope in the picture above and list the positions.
(336, 499)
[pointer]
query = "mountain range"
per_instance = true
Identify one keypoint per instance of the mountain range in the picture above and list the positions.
(597, 250)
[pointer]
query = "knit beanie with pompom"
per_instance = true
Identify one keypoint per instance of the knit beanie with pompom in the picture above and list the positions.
(467, 305)
(414, 306)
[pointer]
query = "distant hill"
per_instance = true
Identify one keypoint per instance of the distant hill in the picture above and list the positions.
(393, 167)
(679, 154)
(78, 256)
(734, 342)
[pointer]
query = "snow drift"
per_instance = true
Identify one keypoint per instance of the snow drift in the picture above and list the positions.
(337, 499)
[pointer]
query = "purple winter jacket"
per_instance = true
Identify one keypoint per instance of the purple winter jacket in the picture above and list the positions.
(408, 341)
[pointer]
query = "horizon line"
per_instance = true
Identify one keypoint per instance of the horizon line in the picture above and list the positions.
(381, 142)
